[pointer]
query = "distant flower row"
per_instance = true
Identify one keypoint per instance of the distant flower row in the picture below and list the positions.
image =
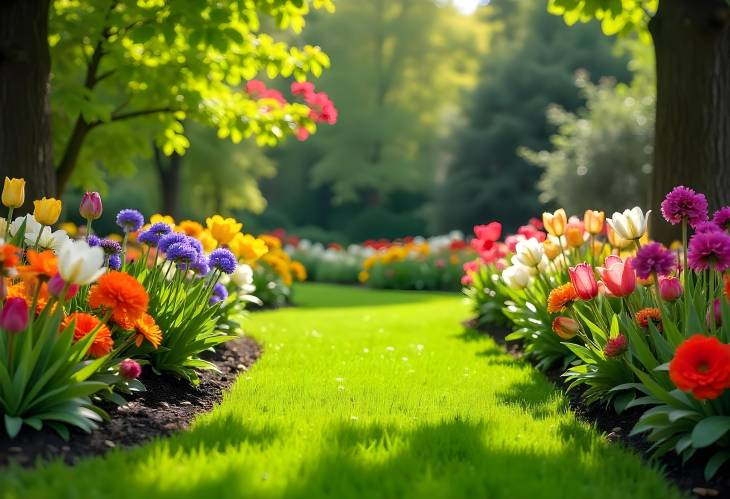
(632, 322)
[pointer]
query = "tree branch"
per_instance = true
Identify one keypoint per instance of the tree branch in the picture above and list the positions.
(142, 112)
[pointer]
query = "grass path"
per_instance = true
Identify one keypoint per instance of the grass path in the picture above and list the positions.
(367, 394)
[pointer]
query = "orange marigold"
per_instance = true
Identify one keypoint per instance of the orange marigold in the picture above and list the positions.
(86, 323)
(645, 315)
(26, 290)
(147, 329)
(561, 297)
(122, 295)
(9, 256)
(41, 264)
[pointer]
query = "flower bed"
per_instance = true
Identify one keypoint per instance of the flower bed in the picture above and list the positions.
(631, 323)
(81, 318)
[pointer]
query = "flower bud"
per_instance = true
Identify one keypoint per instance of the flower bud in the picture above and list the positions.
(56, 285)
(716, 310)
(130, 369)
(565, 327)
(670, 288)
(13, 192)
(47, 210)
(616, 346)
(91, 207)
(14, 315)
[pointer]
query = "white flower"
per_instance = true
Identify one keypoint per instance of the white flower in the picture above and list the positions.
(516, 276)
(31, 225)
(169, 269)
(49, 240)
(78, 263)
(529, 252)
(242, 276)
(631, 224)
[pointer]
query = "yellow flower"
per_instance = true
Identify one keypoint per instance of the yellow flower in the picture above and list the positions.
(616, 240)
(47, 210)
(14, 192)
(676, 245)
(222, 229)
(454, 259)
(157, 217)
(247, 248)
(191, 228)
(555, 222)
(363, 276)
(70, 228)
(574, 235)
(206, 239)
(272, 242)
(369, 262)
(115, 237)
(593, 221)
(552, 249)
(299, 271)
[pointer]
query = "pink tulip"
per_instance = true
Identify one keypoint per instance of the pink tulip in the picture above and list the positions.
(91, 207)
(714, 311)
(56, 285)
(14, 315)
(584, 281)
(670, 288)
(618, 276)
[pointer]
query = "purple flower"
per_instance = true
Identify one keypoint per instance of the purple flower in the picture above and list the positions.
(151, 236)
(220, 293)
(708, 226)
(115, 262)
(130, 369)
(722, 218)
(200, 266)
(195, 244)
(223, 260)
(172, 238)
(654, 258)
(130, 220)
(94, 240)
(709, 250)
(110, 247)
(684, 203)
(181, 253)
(160, 229)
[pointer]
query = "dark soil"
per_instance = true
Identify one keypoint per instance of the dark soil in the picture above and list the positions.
(168, 405)
(688, 477)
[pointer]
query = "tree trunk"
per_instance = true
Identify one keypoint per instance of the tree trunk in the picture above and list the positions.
(168, 170)
(25, 68)
(692, 144)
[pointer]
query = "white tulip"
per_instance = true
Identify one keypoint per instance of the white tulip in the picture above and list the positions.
(516, 276)
(242, 276)
(631, 224)
(48, 240)
(78, 263)
(529, 252)
(31, 225)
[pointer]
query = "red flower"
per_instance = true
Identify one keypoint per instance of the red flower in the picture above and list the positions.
(701, 365)
(615, 346)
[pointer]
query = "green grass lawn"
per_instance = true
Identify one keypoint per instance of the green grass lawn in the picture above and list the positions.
(368, 394)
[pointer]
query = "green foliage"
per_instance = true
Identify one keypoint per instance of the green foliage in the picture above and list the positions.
(530, 68)
(616, 16)
(601, 155)
(131, 71)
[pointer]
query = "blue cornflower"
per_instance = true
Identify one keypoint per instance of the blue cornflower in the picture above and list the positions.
(93, 240)
(200, 266)
(115, 262)
(130, 220)
(181, 253)
(170, 239)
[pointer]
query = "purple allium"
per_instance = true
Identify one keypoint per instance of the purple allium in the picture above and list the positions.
(223, 260)
(708, 226)
(130, 220)
(683, 202)
(200, 266)
(172, 238)
(160, 228)
(654, 258)
(110, 246)
(115, 262)
(151, 236)
(710, 250)
(722, 218)
(195, 244)
(93, 240)
(220, 293)
(181, 253)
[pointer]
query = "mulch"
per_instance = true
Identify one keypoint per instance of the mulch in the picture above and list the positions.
(688, 477)
(168, 406)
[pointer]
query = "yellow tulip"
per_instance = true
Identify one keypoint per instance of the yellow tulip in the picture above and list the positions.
(190, 227)
(13, 192)
(47, 210)
(206, 239)
(222, 229)
(593, 221)
(574, 235)
(552, 250)
(555, 222)
(247, 248)
(157, 217)
(70, 228)
(616, 240)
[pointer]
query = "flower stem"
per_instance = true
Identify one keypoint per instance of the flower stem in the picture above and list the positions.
(685, 274)
(10, 219)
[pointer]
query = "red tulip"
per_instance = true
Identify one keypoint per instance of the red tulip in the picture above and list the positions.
(584, 281)
(618, 276)
(669, 288)
(91, 207)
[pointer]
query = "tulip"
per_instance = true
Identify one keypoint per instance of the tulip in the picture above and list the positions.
(593, 221)
(529, 253)
(130, 369)
(574, 234)
(78, 263)
(552, 250)
(13, 192)
(555, 222)
(618, 276)
(14, 315)
(91, 207)
(670, 288)
(565, 327)
(516, 277)
(47, 210)
(46, 239)
(222, 229)
(714, 311)
(631, 224)
(584, 281)
(616, 241)
(56, 285)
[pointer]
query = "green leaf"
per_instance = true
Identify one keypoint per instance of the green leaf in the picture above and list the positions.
(715, 463)
(710, 430)
(13, 425)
